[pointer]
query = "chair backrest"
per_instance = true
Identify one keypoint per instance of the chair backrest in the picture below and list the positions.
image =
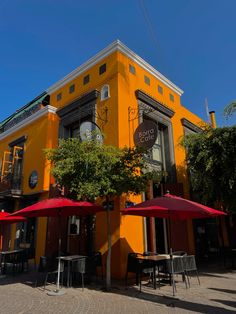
(178, 265)
(47, 264)
(189, 262)
(133, 264)
(43, 264)
(148, 253)
(79, 266)
(97, 258)
(179, 253)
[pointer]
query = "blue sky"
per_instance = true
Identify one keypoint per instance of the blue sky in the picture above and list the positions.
(192, 42)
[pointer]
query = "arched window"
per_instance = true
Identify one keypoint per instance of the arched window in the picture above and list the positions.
(105, 92)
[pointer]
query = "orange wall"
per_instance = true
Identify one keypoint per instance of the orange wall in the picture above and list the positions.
(127, 232)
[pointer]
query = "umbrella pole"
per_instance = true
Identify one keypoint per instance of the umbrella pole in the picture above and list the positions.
(58, 291)
(171, 257)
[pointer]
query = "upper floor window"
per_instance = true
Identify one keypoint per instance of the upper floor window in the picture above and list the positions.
(102, 69)
(147, 80)
(160, 89)
(172, 98)
(59, 96)
(86, 79)
(72, 88)
(132, 69)
(105, 92)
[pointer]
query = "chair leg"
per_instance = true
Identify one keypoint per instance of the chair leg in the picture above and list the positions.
(45, 281)
(82, 278)
(126, 279)
(198, 277)
(140, 281)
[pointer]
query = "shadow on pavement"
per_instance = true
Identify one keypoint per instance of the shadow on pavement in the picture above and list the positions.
(224, 290)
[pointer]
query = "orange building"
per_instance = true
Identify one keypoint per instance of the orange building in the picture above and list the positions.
(117, 90)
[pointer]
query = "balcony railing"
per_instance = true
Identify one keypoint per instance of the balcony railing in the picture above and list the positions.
(11, 184)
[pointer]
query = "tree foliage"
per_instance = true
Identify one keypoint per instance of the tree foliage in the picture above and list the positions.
(230, 109)
(211, 158)
(89, 169)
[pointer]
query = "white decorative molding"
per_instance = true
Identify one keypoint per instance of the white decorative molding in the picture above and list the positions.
(35, 116)
(117, 45)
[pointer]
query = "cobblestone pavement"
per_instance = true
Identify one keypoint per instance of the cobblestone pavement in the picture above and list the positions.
(216, 294)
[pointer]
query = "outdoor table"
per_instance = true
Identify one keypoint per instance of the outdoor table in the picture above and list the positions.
(155, 261)
(4, 254)
(70, 259)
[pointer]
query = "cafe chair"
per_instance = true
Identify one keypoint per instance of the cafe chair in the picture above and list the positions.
(149, 271)
(49, 268)
(175, 266)
(179, 253)
(190, 266)
(79, 267)
(134, 265)
(94, 262)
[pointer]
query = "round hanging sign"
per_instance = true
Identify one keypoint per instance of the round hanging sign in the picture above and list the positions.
(90, 131)
(146, 134)
(33, 179)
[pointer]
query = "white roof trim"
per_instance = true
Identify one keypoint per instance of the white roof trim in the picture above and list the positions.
(35, 116)
(115, 46)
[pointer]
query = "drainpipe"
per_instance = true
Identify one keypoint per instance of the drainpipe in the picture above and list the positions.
(213, 119)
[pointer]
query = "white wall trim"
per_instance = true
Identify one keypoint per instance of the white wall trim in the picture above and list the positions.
(117, 45)
(35, 116)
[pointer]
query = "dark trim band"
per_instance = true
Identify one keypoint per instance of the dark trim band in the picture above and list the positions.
(154, 103)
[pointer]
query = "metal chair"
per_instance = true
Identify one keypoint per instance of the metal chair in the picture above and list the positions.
(175, 266)
(96, 261)
(179, 253)
(79, 267)
(134, 265)
(190, 266)
(149, 271)
(49, 267)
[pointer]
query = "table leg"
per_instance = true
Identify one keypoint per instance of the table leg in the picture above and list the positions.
(154, 277)
(68, 274)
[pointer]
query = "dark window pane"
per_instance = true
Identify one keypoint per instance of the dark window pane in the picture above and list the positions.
(102, 68)
(132, 69)
(72, 88)
(86, 79)
(160, 89)
(59, 96)
(146, 80)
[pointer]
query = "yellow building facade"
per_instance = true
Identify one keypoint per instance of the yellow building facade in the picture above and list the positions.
(117, 90)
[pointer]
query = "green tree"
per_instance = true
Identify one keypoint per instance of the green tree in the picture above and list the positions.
(89, 170)
(211, 159)
(230, 109)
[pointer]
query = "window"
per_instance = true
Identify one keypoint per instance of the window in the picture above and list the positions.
(59, 96)
(105, 92)
(160, 89)
(72, 88)
(172, 98)
(158, 153)
(146, 80)
(86, 79)
(132, 69)
(102, 69)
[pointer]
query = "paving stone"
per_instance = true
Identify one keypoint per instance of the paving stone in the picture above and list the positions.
(216, 294)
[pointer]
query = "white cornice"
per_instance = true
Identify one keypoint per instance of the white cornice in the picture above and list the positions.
(35, 116)
(115, 46)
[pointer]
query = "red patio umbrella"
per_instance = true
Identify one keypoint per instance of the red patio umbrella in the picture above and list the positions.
(172, 207)
(5, 219)
(59, 207)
